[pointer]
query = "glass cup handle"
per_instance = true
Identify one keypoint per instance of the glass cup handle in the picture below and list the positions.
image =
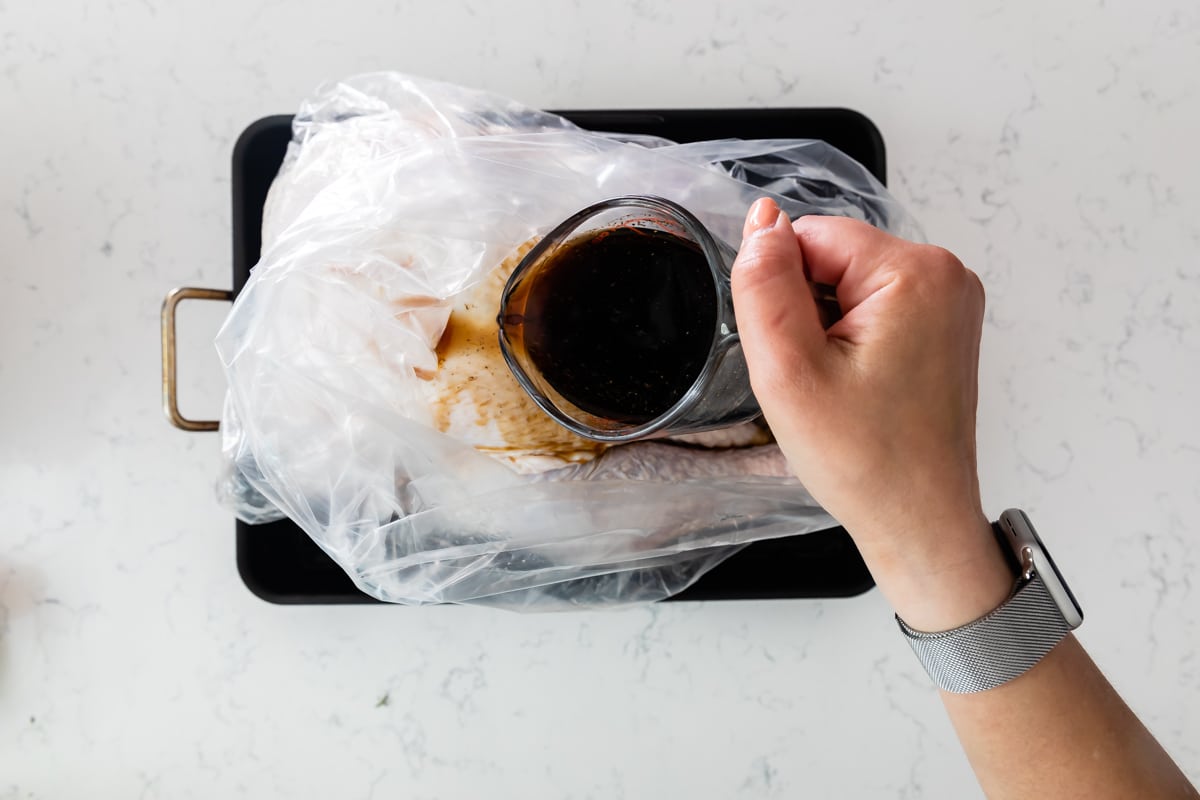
(828, 309)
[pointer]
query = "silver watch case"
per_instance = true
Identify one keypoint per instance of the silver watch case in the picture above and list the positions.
(1034, 559)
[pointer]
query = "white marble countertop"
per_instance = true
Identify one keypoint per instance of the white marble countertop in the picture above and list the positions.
(1051, 145)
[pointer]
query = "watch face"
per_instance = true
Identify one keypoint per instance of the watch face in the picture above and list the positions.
(1021, 534)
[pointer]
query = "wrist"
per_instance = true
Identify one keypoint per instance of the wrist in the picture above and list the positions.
(939, 578)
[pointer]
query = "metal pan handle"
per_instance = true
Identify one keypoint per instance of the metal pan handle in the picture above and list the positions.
(170, 399)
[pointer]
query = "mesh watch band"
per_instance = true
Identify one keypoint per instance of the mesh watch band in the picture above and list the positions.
(995, 648)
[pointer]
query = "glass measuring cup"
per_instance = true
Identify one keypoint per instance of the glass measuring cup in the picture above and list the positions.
(717, 395)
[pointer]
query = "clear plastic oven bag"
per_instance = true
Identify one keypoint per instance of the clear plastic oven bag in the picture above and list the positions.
(367, 400)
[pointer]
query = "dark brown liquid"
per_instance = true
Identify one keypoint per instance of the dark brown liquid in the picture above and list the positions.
(621, 322)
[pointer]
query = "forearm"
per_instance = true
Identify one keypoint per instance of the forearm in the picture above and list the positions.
(1060, 730)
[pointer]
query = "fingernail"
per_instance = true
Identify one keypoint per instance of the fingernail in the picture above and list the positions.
(763, 214)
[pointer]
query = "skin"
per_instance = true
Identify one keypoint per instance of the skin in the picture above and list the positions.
(877, 418)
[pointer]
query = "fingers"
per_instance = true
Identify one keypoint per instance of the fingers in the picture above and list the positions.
(846, 253)
(776, 314)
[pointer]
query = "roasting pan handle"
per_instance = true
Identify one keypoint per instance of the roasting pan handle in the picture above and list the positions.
(169, 396)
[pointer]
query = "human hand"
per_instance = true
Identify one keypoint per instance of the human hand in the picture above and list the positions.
(876, 415)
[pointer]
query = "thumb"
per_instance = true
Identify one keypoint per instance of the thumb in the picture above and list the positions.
(776, 314)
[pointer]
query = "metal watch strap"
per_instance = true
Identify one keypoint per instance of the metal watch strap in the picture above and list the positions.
(997, 647)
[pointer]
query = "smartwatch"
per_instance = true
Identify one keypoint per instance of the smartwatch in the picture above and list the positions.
(1009, 641)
